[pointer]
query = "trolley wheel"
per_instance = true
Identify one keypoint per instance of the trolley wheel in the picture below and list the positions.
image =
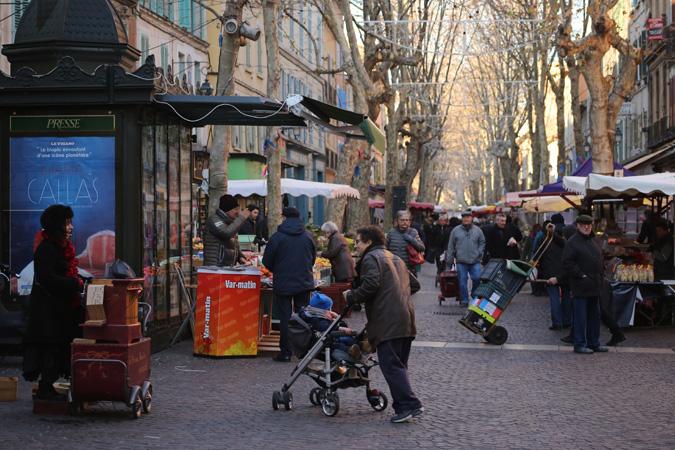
(330, 404)
(276, 400)
(378, 401)
(497, 335)
(147, 400)
(287, 400)
(314, 396)
(137, 406)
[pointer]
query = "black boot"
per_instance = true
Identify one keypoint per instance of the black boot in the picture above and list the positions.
(616, 339)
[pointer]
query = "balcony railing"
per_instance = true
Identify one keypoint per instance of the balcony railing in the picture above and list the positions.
(659, 132)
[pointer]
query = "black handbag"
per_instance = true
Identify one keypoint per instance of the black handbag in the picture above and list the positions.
(415, 285)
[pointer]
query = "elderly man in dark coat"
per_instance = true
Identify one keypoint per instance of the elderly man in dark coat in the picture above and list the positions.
(341, 261)
(383, 284)
(583, 267)
(501, 239)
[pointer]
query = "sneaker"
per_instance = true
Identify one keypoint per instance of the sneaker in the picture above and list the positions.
(401, 417)
(282, 358)
(599, 349)
(418, 412)
(616, 339)
(583, 350)
(567, 339)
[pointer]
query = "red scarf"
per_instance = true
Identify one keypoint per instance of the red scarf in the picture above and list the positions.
(69, 256)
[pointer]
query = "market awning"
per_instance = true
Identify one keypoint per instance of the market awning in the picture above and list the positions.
(644, 159)
(292, 187)
(582, 171)
(547, 204)
(606, 186)
(201, 110)
(322, 113)
(421, 205)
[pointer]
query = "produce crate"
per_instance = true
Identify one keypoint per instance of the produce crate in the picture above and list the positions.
(9, 389)
(493, 292)
(334, 291)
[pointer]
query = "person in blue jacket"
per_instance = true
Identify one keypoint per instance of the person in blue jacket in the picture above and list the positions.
(290, 256)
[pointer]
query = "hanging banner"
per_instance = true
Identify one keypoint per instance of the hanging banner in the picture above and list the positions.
(74, 171)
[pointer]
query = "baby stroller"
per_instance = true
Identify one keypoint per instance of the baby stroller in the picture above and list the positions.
(336, 369)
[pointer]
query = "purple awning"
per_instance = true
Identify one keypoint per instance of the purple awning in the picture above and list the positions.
(582, 171)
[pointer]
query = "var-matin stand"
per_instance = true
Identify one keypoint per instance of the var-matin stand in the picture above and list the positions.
(227, 312)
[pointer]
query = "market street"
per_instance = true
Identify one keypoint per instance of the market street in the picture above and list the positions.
(530, 393)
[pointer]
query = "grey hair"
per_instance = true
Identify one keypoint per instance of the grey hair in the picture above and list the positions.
(402, 213)
(329, 227)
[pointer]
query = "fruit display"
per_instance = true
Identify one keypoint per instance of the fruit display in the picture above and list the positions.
(320, 262)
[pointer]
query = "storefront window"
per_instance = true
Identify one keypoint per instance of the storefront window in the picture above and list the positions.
(161, 221)
(174, 216)
(148, 204)
(186, 203)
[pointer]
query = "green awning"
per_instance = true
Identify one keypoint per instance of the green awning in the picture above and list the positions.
(325, 112)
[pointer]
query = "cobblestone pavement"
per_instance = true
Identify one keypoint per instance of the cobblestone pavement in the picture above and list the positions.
(517, 396)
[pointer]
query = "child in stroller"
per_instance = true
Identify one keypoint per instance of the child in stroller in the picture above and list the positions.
(345, 363)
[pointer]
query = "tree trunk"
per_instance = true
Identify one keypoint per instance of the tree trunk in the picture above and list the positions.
(574, 74)
(358, 214)
(222, 142)
(535, 152)
(541, 177)
(602, 154)
(392, 162)
(273, 140)
(560, 121)
(345, 174)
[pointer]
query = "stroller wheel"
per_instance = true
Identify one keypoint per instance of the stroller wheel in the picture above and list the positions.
(137, 406)
(314, 396)
(378, 401)
(330, 404)
(276, 400)
(287, 400)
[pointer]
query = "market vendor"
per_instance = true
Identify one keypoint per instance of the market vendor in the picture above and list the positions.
(221, 246)
(341, 261)
(662, 249)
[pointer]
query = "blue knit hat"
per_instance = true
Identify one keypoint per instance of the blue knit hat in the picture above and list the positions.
(320, 301)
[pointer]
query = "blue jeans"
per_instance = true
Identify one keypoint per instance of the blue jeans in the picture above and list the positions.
(561, 305)
(586, 322)
(463, 272)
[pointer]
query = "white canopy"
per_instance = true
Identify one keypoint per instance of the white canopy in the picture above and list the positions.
(292, 187)
(604, 185)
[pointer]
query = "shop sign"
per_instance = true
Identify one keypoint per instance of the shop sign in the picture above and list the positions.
(50, 124)
(655, 29)
(78, 171)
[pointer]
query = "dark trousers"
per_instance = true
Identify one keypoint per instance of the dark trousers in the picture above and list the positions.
(393, 357)
(286, 305)
(586, 322)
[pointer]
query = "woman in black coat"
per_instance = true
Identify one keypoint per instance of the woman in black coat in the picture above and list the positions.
(55, 311)
(341, 260)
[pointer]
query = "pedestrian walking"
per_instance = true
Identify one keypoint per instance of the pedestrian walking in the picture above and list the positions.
(466, 247)
(430, 239)
(583, 266)
(55, 311)
(501, 240)
(341, 261)
(382, 284)
(405, 242)
(221, 246)
(662, 249)
(290, 256)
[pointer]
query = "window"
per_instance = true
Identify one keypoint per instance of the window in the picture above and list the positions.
(185, 14)
(197, 18)
(260, 56)
(188, 72)
(145, 45)
(18, 8)
(250, 144)
(164, 58)
(180, 70)
(247, 53)
(198, 75)
(310, 45)
(170, 7)
(301, 40)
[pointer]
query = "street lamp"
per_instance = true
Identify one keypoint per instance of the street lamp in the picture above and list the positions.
(205, 88)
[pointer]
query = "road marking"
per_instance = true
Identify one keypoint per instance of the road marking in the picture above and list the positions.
(533, 347)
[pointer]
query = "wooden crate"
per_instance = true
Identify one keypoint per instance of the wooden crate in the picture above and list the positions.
(9, 389)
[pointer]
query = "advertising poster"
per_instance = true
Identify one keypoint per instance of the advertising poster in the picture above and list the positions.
(75, 171)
